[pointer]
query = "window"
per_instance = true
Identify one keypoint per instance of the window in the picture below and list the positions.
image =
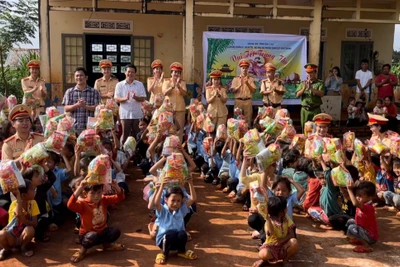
(143, 55)
(352, 54)
(72, 46)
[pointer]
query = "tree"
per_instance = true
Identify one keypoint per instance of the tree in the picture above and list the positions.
(18, 23)
(396, 57)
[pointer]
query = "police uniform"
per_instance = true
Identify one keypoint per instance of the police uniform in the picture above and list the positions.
(216, 106)
(157, 88)
(310, 103)
(376, 120)
(105, 86)
(14, 146)
(275, 88)
(244, 95)
(38, 87)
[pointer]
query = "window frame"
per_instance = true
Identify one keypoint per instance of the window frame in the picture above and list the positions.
(63, 41)
(151, 38)
(357, 60)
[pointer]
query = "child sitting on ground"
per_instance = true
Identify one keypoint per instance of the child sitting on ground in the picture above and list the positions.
(93, 211)
(171, 234)
(363, 231)
(392, 199)
(22, 222)
(281, 243)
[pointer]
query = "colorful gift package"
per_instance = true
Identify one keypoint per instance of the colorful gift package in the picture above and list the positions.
(175, 169)
(165, 121)
(287, 134)
(52, 112)
(348, 140)
(146, 106)
(99, 171)
(222, 132)
(376, 146)
(309, 128)
(112, 105)
(233, 128)
(253, 143)
(317, 147)
(340, 176)
(208, 125)
(130, 145)
(268, 156)
(258, 198)
(34, 155)
(56, 141)
(207, 145)
(359, 148)
(172, 144)
(105, 119)
(298, 142)
(12, 101)
(89, 141)
(10, 176)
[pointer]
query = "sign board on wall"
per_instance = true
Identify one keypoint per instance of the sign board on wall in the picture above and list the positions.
(224, 50)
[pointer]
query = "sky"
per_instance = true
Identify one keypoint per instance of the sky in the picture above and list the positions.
(396, 44)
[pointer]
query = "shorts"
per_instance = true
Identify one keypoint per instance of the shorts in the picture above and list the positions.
(278, 252)
(358, 232)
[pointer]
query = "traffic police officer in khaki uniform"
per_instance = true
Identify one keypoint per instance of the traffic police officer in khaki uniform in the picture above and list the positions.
(272, 89)
(106, 84)
(35, 86)
(14, 146)
(243, 88)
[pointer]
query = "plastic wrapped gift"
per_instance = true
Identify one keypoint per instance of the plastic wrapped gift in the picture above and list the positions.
(97, 110)
(222, 132)
(194, 112)
(51, 126)
(10, 176)
(331, 146)
(166, 106)
(309, 128)
(264, 123)
(52, 112)
(56, 141)
(99, 170)
(317, 147)
(268, 156)
(89, 141)
(12, 101)
(200, 120)
(275, 128)
(359, 149)
(112, 105)
(208, 125)
(28, 99)
(158, 100)
(340, 176)
(237, 112)
(395, 147)
(258, 198)
(66, 124)
(43, 120)
(34, 155)
(243, 127)
(130, 145)
(253, 143)
(390, 134)
(165, 121)
(152, 132)
(207, 145)
(298, 142)
(171, 145)
(339, 157)
(281, 113)
(91, 123)
(348, 140)
(105, 119)
(146, 106)
(376, 146)
(155, 117)
(287, 134)
(233, 128)
(175, 169)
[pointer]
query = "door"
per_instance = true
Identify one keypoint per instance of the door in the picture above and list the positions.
(116, 48)
(352, 54)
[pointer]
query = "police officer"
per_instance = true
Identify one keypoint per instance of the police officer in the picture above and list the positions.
(243, 87)
(35, 86)
(106, 84)
(311, 92)
(23, 139)
(272, 88)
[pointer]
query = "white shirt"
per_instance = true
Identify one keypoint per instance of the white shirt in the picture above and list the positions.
(364, 77)
(130, 109)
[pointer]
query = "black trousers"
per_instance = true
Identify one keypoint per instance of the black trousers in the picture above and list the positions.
(256, 221)
(43, 224)
(232, 184)
(108, 236)
(173, 240)
(338, 221)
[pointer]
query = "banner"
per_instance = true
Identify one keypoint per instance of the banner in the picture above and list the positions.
(224, 50)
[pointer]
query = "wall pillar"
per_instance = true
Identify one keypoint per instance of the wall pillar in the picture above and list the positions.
(314, 38)
(44, 40)
(188, 44)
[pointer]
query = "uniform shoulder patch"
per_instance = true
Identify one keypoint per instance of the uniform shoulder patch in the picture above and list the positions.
(25, 79)
(37, 134)
(9, 139)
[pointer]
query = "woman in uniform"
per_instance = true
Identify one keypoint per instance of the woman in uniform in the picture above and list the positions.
(216, 97)
(155, 83)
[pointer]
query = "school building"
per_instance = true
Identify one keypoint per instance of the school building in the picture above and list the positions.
(80, 33)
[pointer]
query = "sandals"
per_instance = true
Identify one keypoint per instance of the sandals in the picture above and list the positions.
(77, 257)
(114, 247)
(362, 249)
(160, 259)
(5, 253)
(189, 254)
(27, 252)
(355, 242)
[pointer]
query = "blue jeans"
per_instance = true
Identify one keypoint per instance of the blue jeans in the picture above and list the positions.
(392, 199)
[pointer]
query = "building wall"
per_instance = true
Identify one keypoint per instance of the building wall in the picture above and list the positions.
(166, 30)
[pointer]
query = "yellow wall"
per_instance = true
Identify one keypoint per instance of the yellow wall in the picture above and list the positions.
(166, 30)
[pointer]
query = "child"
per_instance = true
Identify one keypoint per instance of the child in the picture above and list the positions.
(281, 243)
(351, 111)
(93, 211)
(379, 109)
(363, 231)
(361, 115)
(314, 186)
(171, 233)
(392, 199)
(384, 177)
(21, 225)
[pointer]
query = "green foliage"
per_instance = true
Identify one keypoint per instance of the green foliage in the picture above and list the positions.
(396, 57)
(216, 47)
(396, 69)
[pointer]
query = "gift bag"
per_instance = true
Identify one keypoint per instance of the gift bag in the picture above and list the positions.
(207, 145)
(52, 112)
(99, 170)
(175, 169)
(28, 99)
(309, 128)
(332, 145)
(51, 126)
(243, 127)
(12, 101)
(317, 147)
(89, 141)
(208, 125)
(376, 146)
(233, 128)
(348, 140)
(56, 141)
(268, 156)
(275, 128)
(237, 112)
(130, 145)
(43, 120)
(34, 155)
(298, 142)
(165, 121)
(66, 124)
(166, 106)
(339, 157)
(253, 143)
(91, 123)
(265, 123)
(152, 132)
(112, 105)
(10, 176)
(395, 147)
(147, 107)
(281, 113)
(158, 100)
(258, 198)
(287, 134)
(340, 176)
(222, 132)
(194, 112)
(359, 149)
(200, 121)
(105, 119)
(171, 145)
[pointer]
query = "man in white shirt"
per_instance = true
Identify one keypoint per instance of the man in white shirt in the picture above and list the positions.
(364, 79)
(129, 94)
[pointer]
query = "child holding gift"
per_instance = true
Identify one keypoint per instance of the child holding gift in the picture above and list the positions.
(22, 222)
(93, 212)
(281, 243)
(363, 231)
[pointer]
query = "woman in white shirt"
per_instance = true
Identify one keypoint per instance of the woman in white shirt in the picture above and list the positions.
(333, 82)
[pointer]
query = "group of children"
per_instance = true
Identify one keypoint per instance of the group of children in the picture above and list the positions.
(271, 188)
